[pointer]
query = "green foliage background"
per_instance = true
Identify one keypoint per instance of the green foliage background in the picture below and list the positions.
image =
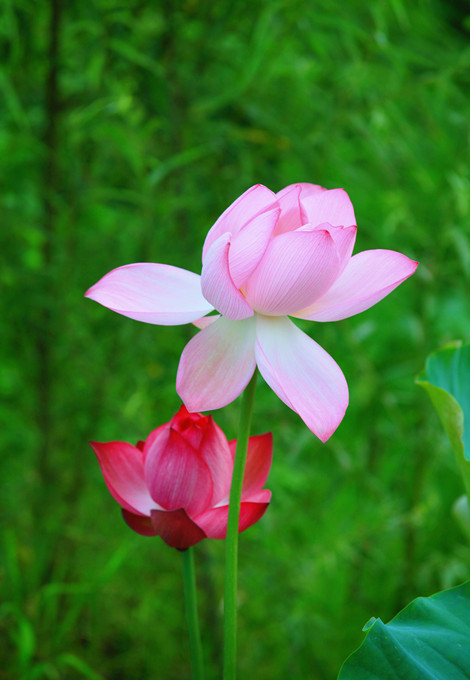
(127, 128)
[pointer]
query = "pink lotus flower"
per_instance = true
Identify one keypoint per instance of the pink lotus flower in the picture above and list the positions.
(176, 484)
(269, 256)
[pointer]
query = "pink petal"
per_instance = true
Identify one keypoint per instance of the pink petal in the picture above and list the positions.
(297, 266)
(255, 200)
(214, 521)
(123, 471)
(217, 364)
(258, 462)
(343, 238)
(291, 214)
(205, 321)
(139, 524)
(308, 189)
(215, 451)
(249, 245)
(154, 293)
(332, 206)
(302, 374)
(217, 284)
(176, 475)
(176, 529)
(369, 277)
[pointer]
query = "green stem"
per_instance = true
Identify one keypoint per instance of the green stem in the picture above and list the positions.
(191, 614)
(231, 542)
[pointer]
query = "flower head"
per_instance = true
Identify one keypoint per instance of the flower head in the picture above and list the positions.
(176, 484)
(269, 256)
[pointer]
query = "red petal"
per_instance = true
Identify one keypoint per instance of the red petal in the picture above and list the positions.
(216, 454)
(191, 426)
(176, 475)
(214, 522)
(258, 462)
(123, 471)
(139, 523)
(176, 528)
(250, 513)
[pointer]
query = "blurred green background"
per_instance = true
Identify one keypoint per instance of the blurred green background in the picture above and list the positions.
(127, 128)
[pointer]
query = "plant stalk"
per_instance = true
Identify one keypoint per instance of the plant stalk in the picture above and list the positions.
(231, 542)
(190, 599)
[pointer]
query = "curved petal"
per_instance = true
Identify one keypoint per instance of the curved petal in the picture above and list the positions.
(258, 462)
(123, 471)
(153, 436)
(191, 426)
(176, 475)
(138, 523)
(176, 529)
(249, 245)
(205, 321)
(332, 205)
(308, 189)
(263, 496)
(217, 284)
(215, 451)
(214, 521)
(210, 442)
(291, 215)
(368, 277)
(297, 266)
(153, 293)
(344, 239)
(256, 199)
(217, 364)
(302, 374)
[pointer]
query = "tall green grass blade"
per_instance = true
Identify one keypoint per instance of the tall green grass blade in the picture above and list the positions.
(73, 661)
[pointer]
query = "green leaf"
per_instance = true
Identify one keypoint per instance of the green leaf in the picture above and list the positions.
(461, 512)
(446, 378)
(428, 640)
